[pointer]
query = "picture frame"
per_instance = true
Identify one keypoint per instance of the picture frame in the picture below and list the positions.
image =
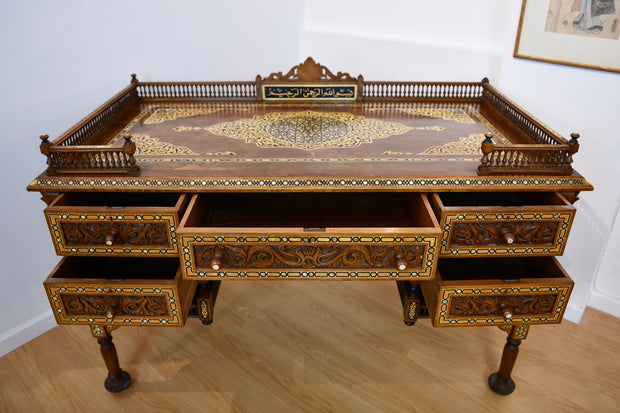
(581, 33)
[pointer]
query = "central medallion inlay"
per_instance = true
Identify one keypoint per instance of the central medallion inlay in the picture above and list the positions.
(308, 130)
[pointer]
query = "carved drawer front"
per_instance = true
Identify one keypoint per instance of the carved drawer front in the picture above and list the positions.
(497, 291)
(309, 235)
(503, 224)
(115, 223)
(119, 291)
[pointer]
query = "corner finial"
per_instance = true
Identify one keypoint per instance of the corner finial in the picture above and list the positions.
(133, 78)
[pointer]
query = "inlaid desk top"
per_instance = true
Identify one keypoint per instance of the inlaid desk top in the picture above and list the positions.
(223, 143)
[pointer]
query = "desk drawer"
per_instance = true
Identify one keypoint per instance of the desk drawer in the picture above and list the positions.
(115, 223)
(309, 235)
(119, 291)
(497, 291)
(503, 223)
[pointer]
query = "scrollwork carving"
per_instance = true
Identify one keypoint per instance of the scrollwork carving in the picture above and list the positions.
(131, 233)
(491, 232)
(491, 305)
(124, 305)
(307, 256)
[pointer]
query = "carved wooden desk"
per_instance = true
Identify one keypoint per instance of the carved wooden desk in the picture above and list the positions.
(449, 190)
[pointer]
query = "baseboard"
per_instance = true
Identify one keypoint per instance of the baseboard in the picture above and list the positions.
(25, 332)
(574, 313)
(605, 303)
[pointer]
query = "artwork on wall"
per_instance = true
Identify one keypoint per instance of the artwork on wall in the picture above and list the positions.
(583, 33)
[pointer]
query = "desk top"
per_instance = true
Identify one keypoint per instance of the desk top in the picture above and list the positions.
(188, 144)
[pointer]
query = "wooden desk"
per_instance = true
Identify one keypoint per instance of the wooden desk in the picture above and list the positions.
(450, 190)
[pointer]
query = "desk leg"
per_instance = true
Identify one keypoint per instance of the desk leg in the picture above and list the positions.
(410, 298)
(501, 382)
(206, 294)
(117, 379)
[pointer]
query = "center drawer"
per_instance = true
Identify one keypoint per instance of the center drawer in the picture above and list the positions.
(309, 235)
(119, 291)
(503, 224)
(115, 223)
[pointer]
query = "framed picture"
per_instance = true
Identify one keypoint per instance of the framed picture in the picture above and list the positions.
(583, 33)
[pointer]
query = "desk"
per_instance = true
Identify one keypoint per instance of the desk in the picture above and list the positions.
(449, 190)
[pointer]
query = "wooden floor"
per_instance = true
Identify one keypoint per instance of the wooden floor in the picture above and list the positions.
(316, 347)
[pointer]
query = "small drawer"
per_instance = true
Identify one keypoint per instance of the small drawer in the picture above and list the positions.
(503, 224)
(115, 223)
(309, 235)
(119, 291)
(497, 291)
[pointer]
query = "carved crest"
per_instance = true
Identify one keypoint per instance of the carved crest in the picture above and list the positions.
(310, 71)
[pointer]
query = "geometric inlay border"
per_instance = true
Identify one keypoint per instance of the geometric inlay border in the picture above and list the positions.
(446, 295)
(169, 294)
(564, 220)
(62, 248)
(190, 270)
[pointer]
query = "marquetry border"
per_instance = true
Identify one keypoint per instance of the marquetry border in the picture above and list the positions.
(170, 294)
(564, 220)
(232, 183)
(62, 248)
(429, 260)
(446, 294)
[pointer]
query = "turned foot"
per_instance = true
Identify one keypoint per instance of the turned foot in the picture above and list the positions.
(117, 383)
(501, 385)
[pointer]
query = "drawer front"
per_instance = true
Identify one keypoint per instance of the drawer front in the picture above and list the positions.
(518, 231)
(483, 302)
(336, 256)
(518, 304)
(126, 302)
(113, 231)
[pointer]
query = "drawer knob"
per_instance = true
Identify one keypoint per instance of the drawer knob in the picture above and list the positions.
(401, 264)
(109, 239)
(508, 236)
(507, 314)
(216, 264)
(110, 313)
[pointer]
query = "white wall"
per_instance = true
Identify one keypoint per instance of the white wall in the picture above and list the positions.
(62, 59)
(456, 40)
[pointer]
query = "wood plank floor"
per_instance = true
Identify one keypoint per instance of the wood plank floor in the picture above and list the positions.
(317, 347)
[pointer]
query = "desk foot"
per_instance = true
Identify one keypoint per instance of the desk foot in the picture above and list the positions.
(117, 383)
(117, 379)
(501, 385)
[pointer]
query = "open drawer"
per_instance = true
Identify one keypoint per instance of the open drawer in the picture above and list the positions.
(319, 235)
(497, 291)
(119, 291)
(509, 223)
(121, 223)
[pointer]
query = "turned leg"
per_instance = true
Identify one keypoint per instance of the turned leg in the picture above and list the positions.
(117, 379)
(206, 294)
(501, 382)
